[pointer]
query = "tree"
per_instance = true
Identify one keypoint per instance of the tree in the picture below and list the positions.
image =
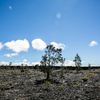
(10, 65)
(51, 58)
(89, 66)
(62, 67)
(43, 62)
(77, 61)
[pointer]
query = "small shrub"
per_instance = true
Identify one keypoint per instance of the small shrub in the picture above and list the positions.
(22, 69)
(61, 86)
(84, 79)
(48, 83)
(94, 69)
(31, 75)
(43, 78)
(75, 85)
(89, 66)
(2, 84)
(45, 74)
(66, 70)
(17, 76)
(82, 71)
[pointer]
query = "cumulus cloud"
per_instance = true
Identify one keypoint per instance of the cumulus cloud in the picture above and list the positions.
(10, 55)
(7, 55)
(58, 15)
(38, 44)
(14, 54)
(4, 63)
(93, 43)
(25, 63)
(62, 46)
(69, 63)
(1, 45)
(35, 63)
(10, 7)
(20, 63)
(18, 46)
(24, 60)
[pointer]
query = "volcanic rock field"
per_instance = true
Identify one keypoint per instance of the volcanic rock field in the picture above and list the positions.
(31, 85)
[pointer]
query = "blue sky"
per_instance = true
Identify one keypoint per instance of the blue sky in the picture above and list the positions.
(27, 26)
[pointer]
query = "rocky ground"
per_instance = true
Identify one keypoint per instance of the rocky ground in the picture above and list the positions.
(31, 85)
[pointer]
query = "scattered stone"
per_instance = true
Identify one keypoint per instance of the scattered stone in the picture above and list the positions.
(28, 87)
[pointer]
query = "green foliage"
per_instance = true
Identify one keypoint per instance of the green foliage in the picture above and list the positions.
(43, 69)
(89, 66)
(10, 63)
(76, 85)
(94, 69)
(84, 79)
(62, 67)
(22, 69)
(51, 58)
(66, 70)
(77, 61)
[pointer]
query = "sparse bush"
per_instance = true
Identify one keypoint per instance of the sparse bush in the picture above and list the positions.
(82, 71)
(61, 86)
(2, 84)
(31, 75)
(89, 66)
(77, 61)
(22, 69)
(94, 69)
(67, 70)
(84, 79)
(75, 85)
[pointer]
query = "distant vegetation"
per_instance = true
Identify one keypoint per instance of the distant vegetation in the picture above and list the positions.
(48, 63)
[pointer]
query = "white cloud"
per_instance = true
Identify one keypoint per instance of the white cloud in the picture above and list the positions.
(4, 63)
(14, 54)
(82, 61)
(93, 43)
(38, 44)
(10, 7)
(24, 60)
(7, 55)
(16, 64)
(34, 63)
(17, 60)
(25, 63)
(69, 63)
(58, 15)
(62, 46)
(10, 55)
(18, 46)
(20, 63)
(1, 45)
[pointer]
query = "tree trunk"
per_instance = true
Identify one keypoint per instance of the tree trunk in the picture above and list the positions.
(48, 75)
(77, 69)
